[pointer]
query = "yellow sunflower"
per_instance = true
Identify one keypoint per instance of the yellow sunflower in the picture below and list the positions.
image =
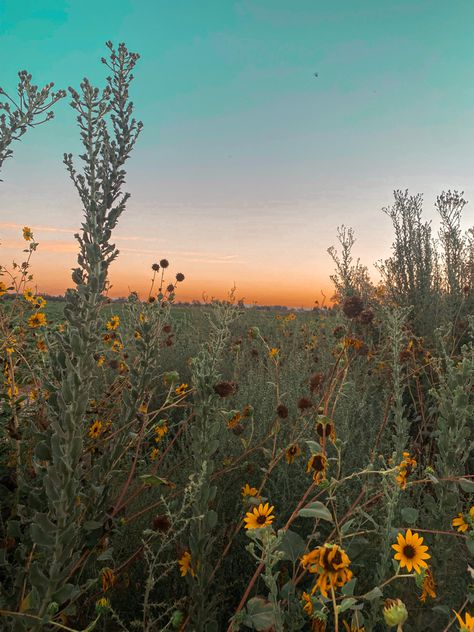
(259, 517)
(467, 625)
(39, 302)
(406, 467)
(185, 564)
(96, 429)
(308, 606)
(29, 295)
(42, 346)
(292, 452)
(331, 563)
(37, 320)
(117, 346)
(27, 233)
(113, 323)
(428, 585)
(108, 578)
(411, 552)
(317, 464)
(3, 288)
(181, 389)
(249, 491)
(161, 430)
(273, 352)
(463, 522)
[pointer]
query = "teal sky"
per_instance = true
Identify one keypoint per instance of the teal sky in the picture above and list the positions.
(248, 163)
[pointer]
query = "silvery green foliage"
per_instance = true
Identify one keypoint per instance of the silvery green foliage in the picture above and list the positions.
(31, 107)
(58, 528)
(411, 274)
(349, 278)
(457, 264)
(454, 401)
(206, 435)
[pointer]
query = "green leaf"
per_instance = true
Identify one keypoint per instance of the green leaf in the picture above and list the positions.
(152, 479)
(42, 451)
(316, 510)
(292, 546)
(40, 537)
(211, 518)
(467, 485)
(346, 604)
(347, 526)
(313, 446)
(442, 609)
(64, 593)
(410, 514)
(259, 614)
(348, 589)
(375, 593)
(92, 525)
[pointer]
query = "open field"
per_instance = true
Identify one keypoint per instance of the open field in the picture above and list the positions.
(228, 468)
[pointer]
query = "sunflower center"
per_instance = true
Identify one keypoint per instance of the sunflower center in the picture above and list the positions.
(330, 565)
(261, 519)
(409, 551)
(318, 464)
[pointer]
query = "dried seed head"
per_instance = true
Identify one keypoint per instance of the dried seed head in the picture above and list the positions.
(282, 411)
(366, 316)
(224, 389)
(161, 523)
(352, 306)
(164, 263)
(180, 277)
(304, 403)
(315, 381)
(155, 267)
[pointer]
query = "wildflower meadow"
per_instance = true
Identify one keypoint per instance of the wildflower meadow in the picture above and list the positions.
(221, 467)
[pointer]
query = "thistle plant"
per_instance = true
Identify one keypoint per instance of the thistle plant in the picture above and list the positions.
(29, 108)
(57, 523)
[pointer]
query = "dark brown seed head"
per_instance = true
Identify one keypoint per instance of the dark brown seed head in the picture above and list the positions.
(180, 277)
(304, 403)
(161, 523)
(151, 299)
(315, 381)
(155, 267)
(366, 316)
(224, 389)
(164, 263)
(170, 288)
(282, 411)
(352, 306)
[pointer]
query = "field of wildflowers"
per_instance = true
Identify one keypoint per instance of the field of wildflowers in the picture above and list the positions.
(227, 468)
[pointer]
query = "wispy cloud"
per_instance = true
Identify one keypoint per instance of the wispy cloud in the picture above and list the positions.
(72, 231)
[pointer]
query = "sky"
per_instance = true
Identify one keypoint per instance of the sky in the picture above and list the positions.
(247, 163)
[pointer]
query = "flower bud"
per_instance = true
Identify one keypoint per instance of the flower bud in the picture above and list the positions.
(394, 612)
(177, 619)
